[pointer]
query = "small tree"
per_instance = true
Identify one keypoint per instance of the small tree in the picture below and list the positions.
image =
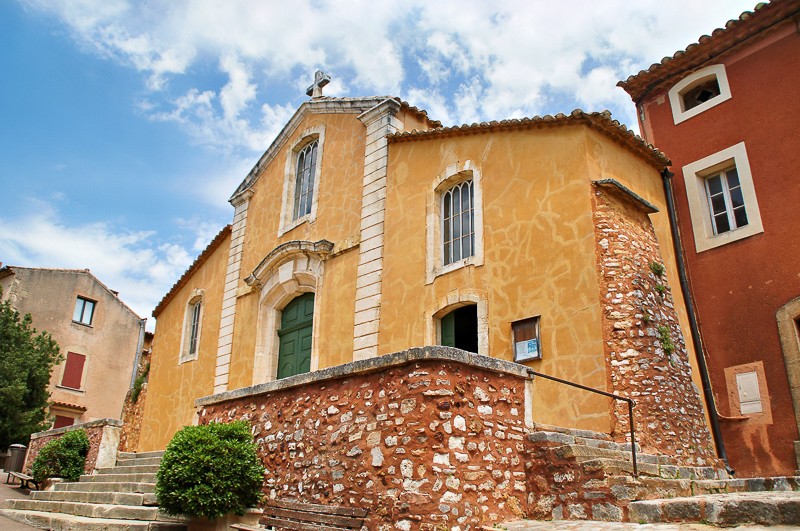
(26, 359)
(64, 457)
(210, 471)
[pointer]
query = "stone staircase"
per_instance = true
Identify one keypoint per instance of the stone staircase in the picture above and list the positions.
(113, 499)
(584, 475)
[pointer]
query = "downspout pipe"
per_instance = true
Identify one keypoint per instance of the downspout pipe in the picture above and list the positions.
(693, 326)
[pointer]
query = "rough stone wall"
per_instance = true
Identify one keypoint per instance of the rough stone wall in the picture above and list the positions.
(427, 445)
(640, 322)
(94, 431)
(132, 411)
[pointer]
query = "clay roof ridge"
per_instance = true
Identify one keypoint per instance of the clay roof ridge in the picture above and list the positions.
(600, 120)
(9, 269)
(202, 257)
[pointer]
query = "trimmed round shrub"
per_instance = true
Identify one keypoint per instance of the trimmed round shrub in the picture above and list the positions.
(210, 471)
(64, 457)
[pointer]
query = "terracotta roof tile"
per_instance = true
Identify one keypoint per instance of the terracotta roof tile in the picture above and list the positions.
(210, 248)
(600, 121)
(709, 47)
(67, 405)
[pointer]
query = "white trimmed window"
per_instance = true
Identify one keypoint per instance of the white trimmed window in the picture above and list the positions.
(454, 236)
(304, 180)
(722, 198)
(301, 180)
(458, 223)
(192, 326)
(698, 92)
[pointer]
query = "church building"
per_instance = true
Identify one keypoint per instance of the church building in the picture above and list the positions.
(367, 228)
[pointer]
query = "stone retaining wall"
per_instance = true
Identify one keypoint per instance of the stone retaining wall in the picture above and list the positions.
(103, 437)
(425, 439)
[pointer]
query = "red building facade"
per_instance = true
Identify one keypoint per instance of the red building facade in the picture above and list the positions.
(727, 112)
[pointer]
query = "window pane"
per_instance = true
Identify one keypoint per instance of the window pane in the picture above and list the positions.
(736, 198)
(718, 203)
(456, 227)
(76, 315)
(733, 177)
(721, 223)
(740, 215)
(714, 185)
(88, 312)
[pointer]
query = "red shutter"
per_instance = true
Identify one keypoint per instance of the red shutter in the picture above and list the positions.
(73, 371)
(63, 421)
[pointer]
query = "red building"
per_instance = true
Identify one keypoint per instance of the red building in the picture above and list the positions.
(727, 112)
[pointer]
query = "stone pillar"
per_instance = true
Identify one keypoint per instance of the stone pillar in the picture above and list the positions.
(380, 121)
(240, 203)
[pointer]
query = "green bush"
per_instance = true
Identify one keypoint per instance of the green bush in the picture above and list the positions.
(210, 471)
(64, 457)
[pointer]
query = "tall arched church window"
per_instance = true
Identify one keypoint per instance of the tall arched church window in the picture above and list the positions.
(304, 179)
(458, 223)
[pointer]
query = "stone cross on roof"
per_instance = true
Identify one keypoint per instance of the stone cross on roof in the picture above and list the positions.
(320, 80)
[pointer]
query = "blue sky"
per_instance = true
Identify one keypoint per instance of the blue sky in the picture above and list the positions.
(125, 126)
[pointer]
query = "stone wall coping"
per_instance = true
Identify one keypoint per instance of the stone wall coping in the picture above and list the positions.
(640, 201)
(380, 363)
(91, 424)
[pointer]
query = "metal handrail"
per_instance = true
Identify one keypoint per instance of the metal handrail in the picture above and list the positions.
(630, 402)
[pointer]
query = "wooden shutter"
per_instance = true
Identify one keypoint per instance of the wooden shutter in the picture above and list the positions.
(73, 370)
(63, 421)
(449, 330)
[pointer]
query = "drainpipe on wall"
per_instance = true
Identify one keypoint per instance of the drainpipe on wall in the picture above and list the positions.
(139, 345)
(693, 327)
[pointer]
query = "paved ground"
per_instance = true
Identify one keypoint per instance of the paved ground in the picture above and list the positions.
(10, 492)
(613, 526)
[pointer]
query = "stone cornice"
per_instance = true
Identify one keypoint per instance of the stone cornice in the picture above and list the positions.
(281, 254)
(366, 366)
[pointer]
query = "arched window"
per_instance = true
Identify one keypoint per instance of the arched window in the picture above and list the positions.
(192, 325)
(304, 179)
(458, 223)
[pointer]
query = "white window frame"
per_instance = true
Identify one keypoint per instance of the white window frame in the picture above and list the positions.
(692, 80)
(694, 177)
(288, 220)
(454, 175)
(195, 301)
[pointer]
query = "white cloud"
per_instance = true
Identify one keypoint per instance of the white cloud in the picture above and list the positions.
(485, 60)
(135, 263)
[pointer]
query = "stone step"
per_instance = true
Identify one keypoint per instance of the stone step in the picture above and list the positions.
(761, 508)
(626, 488)
(623, 467)
(139, 461)
(140, 455)
(67, 522)
(129, 469)
(110, 498)
(585, 434)
(107, 486)
(583, 451)
(124, 478)
(90, 510)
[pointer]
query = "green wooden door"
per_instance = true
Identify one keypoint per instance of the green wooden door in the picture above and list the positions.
(294, 356)
(449, 330)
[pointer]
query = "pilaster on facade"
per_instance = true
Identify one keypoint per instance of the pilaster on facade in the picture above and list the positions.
(240, 202)
(380, 121)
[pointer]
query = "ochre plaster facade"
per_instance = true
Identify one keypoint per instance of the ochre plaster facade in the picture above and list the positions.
(365, 252)
(108, 343)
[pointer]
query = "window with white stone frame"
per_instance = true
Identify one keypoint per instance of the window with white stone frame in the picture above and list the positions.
(722, 198)
(698, 92)
(454, 235)
(192, 326)
(301, 180)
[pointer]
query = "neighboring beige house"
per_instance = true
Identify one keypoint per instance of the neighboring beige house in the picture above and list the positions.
(98, 334)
